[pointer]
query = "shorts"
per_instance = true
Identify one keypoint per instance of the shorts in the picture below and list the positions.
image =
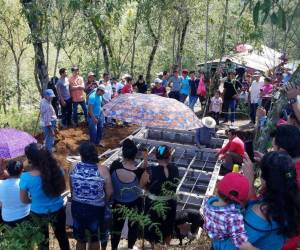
(86, 218)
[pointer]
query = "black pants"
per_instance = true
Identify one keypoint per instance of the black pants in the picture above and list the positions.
(16, 222)
(174, 95)
(253, 108)
(58, 223)
(55, 105)
(66, 112)
(216, 116)
(118, 223)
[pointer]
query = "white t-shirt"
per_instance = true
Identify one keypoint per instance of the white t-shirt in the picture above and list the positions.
(216, 104)
(108, 91)
(12, 207)
(255, 90)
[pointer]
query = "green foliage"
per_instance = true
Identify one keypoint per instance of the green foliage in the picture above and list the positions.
(25, 236)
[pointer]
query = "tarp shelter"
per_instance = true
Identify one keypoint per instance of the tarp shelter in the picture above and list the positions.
(246, 56)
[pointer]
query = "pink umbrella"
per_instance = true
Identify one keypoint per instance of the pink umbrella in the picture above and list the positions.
(13, 142)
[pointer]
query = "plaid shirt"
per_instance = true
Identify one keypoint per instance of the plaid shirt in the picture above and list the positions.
(224, 222)
(47, 113)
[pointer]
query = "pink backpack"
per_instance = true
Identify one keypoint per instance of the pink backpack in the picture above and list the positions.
(201, 91)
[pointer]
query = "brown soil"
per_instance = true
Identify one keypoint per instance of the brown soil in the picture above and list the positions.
(69, 140)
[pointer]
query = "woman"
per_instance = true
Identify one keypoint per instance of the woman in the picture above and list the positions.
(91, 188)
(141, 85)
(42, 186)
(161, 182)
(127, 193)
(275, 217)
(13, 210)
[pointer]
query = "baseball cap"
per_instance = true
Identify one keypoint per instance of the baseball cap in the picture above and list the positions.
(49, 93)
(157, 80)
(160, 74)
(185, 71)
(74, 68)
(256, 73)
(235, 186)
(101, 87)
(91, 74)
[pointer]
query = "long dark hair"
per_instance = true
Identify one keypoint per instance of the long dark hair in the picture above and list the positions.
(282, 194)
(53, 182)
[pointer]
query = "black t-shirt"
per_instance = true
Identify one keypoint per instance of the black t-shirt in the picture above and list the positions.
(194, 86)
(231, 88)
(158, 180)
(117, 164)
(141, 86)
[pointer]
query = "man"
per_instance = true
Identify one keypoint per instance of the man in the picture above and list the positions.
(108, 87)
(193, 86)
(117, 85)
(233, 152)
(204, 134)
(128, 89)
(185, 88)
(254, 95)
(77, 93)
(95, 118)
(63, 92)
(165, 78)
(52, 85)
(158, 89)
(231, 92)
(90, 84)
(175, 79)
(48, 118)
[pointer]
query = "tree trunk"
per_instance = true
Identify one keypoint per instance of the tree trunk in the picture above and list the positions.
(206, 35)
(134, 39)
(101, 39)
(155, 46)
(18, 86)
(56, 60)
(97, 62)
(36, 78)
(34, 22)
(182, 40)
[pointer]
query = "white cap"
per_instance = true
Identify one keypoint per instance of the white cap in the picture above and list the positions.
(101, 87)
(157, 80)
(160, 74)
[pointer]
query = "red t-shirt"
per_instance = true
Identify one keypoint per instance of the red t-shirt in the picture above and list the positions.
(236, 145)
(127, 89)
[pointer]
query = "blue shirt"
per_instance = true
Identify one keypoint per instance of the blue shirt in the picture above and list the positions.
(40, 202)
(185, 86)
(176, 82)
(96, 101)
(262, 233)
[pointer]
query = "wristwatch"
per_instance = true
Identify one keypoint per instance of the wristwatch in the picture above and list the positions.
(292, 101)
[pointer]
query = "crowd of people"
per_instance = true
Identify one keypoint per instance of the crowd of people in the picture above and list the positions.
(238, 216)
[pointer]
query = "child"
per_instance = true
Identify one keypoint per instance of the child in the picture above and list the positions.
(265, 93)
(114, 93)
(223, 219)
(216, 106)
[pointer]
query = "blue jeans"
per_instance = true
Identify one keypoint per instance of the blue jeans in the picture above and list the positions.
(95, 130)
(75, 109)
(230, 104)
(182, 97)
(49, 137)
(192, 101)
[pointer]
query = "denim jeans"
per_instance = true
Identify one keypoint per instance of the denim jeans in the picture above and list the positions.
(253, 108)
(95, 130)
(75, 109)
(230, 104)
(49, 137)
(192, 102)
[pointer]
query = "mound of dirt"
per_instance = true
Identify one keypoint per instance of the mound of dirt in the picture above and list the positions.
(69, 140)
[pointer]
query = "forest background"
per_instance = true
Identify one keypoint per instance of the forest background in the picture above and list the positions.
(37, 37)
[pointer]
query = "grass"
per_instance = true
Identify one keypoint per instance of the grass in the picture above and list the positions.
(26, 120)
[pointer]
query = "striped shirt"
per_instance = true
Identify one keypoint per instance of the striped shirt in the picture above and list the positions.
(47, 113)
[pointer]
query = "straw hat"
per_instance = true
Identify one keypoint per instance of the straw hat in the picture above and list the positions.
(209, 122)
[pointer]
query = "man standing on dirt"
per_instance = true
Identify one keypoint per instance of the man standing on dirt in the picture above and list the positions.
(77, 93)
(64, 97)
(176, 85)
(48, 119)
(95, 115)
